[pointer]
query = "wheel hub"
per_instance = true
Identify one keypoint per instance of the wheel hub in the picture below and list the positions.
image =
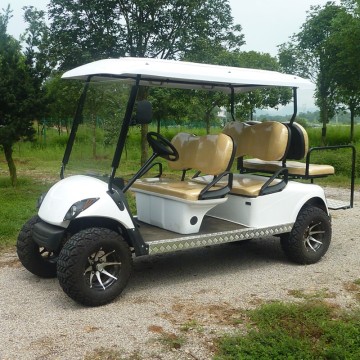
(101, 270)
(312, 239)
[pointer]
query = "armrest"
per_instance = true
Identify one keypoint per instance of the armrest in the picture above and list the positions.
(144, 169)
(207, 194)
(267, 188)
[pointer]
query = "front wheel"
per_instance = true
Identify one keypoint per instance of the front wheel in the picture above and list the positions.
(38, 260)
(310, 237)
(94, 266)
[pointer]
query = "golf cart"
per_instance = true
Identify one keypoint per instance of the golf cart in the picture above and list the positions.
(85, 233)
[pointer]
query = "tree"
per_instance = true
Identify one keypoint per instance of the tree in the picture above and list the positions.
(84, 31)
(61, 100)
(203, 104)
(36, 38)
(343, 49)
(306, 55)
(16, 95)
(258, 99)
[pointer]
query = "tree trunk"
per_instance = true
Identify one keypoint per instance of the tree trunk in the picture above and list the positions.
(352, 120)
(11, 165)
(207, 121)
(324, 119)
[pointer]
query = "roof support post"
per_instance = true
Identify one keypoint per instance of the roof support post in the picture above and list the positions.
(76, 122)
(295, 105)
(232, 103)
(124, 131)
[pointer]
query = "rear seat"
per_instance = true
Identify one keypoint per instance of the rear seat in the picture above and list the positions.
(298, 149)
(267, 142)
(210, 154)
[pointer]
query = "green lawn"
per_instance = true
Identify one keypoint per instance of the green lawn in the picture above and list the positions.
(312, 330)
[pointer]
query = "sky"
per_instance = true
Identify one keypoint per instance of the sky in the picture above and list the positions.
(266, 24)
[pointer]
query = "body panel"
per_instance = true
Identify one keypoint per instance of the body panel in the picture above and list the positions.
(68, 191)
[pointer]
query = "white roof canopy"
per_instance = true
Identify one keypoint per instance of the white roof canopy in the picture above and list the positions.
(184, 75)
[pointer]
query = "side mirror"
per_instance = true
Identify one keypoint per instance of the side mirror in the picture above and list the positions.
(143, 113)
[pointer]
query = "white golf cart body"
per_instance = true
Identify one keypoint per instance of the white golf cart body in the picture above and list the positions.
(165, 222)
(244, 216)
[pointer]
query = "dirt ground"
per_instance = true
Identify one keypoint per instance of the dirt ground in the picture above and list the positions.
(176, 305)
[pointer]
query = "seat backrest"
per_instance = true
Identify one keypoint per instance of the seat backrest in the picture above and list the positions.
(235, 130)
(210, 154)
(299, 142)
(267, 141)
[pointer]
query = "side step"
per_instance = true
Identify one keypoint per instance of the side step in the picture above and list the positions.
(200, 240)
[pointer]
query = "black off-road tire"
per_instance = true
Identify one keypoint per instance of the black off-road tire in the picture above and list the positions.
(310, 237)
(38, 261)
(83, 260)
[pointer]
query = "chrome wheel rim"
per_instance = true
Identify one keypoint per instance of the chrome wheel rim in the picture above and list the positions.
(313, 237)
(103, 269)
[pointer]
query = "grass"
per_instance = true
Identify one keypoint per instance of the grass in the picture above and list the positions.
(308, 295)
(171, 341)
(110, 354)
(17, 206)
(310, 330)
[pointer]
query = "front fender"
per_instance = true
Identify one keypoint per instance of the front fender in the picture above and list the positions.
(68, 191)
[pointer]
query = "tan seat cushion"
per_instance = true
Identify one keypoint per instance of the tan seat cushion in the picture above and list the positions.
(249, 185)
(187, 190)
(246, 185)
(294, 167)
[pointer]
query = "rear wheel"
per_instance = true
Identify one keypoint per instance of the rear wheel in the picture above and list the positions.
(38, 260)
(94, 266)
(310, 237)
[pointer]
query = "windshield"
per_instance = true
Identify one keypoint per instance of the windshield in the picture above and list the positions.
(99, 129)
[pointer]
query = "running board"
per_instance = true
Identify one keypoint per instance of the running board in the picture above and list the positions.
(197, 241)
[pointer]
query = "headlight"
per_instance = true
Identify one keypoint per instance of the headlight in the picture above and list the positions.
(78, 207)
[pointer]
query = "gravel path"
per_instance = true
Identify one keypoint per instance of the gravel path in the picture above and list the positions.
(175, 305)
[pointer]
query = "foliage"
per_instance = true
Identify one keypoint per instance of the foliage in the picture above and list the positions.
(343, 52)
(17, 95)
(86, 31)
(185, 106)
(259, 99)
(37, 56)
(310, 330)
(92, 30)
(327, 50)
(61, 98)
(306, 55)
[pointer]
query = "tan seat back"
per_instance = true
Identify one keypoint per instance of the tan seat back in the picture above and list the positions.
(235, 130)
(211, 154)
(299, 142)
(266, 141)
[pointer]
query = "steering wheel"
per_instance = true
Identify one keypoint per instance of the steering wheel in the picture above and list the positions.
(162, 146)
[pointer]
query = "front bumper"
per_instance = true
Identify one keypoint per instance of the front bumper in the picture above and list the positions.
(48, 236)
